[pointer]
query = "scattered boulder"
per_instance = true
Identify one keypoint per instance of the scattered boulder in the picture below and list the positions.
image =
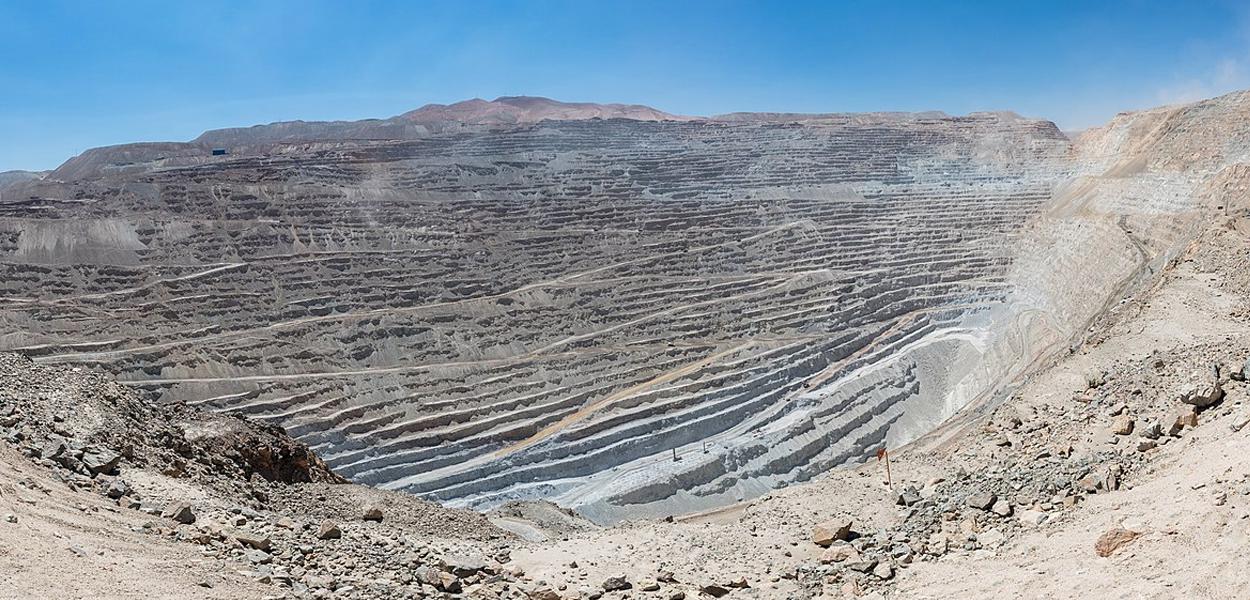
(937, 545)
(253, 540)
(908, 496)
(616, 583)
(1002, 508)
(372, 512)
(449, 583)
(1031, 517)
(427, 575)
(101, 461)
(329, 530)
(180, 512)
(839, 552)
(991, 538)
(1122, 425)
(258, 557)
(52, 449)
(1113, 539)
(883, 571)
(982, 500)
(1146, 444)
(116, 489)
(1185, 417)
(543, 593)
(463, 566)
(714, 590)
(828, 532)
(1202, 392)
(863, 566)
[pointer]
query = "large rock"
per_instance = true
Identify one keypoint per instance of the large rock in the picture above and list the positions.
(1122, 425)
(116, 489)
(616, 583)
(1032, 517)
(1113, 539)
(180, 512)
(1202, 392)
(839, 552)
(463, 565)
(937, 545)
(371, 512)
(1184, 417)
(101, 461)
(863, 566)
(449, 583)
(253, 540)
(714, 590)
(53, 448)
(828, 532)
(982, 500)
(329, 530)
(543, 593)
(908, 496)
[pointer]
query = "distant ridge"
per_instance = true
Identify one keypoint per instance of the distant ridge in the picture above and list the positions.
(531, 109)
(434, 119)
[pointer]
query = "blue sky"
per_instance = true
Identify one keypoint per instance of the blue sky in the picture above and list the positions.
(74, 75)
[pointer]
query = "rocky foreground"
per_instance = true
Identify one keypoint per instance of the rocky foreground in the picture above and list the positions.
(1121, 468)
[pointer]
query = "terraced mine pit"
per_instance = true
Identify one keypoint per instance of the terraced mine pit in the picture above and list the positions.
(631, 318)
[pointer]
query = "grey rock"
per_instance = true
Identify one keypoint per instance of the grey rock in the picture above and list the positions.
(258, 557)
(982, 500)
(180, 512)
(101, 461)
(616, 583)
(908, 496)
(1202, 393)
(463, 566)
(117, 489)
(863, 566)
(329, 530)
(252, 540)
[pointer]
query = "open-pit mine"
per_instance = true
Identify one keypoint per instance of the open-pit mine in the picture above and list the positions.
(626, 312)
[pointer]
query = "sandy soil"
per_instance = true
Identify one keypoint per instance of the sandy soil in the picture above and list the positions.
(81, 545)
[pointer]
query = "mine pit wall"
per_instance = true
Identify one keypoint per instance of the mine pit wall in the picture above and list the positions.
(1129, 210)
(1145, 186)
(889, 294)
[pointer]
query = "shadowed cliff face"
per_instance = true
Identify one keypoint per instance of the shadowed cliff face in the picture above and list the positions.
(561, 309)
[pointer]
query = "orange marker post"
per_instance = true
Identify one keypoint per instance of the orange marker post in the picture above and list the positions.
(883, 454)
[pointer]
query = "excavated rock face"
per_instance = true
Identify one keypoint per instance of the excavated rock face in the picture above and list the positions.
(89, 423)
(632, 318)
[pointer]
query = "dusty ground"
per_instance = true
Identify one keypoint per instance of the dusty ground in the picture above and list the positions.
(56, 550)
(1192, 505)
